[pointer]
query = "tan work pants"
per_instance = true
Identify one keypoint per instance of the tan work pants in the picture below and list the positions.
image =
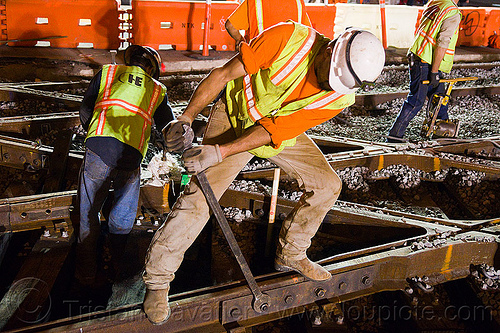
(304, 162)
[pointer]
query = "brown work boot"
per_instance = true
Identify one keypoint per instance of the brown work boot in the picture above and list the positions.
(304, 266)
(156, 306)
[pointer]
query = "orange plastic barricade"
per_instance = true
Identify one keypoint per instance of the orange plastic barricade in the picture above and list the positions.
(3, 24)
(180, 25)
(472, 27)
(84, 23)
(322, 17)
(492, 27)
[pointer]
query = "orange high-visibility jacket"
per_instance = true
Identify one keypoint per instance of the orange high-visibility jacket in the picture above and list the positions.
(254, 16)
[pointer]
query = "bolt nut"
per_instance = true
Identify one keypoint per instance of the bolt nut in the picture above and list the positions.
(264, 307)
(260, 212)
(342, 285)
(235, 312)
(288, 299)
(366, 280)
(320, 292)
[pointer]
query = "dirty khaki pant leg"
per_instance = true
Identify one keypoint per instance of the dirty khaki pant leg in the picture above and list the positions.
(321, 187)
(191, 212)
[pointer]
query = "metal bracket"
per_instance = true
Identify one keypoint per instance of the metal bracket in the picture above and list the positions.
(300, 293)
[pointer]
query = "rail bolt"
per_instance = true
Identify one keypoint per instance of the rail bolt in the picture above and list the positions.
(260, 212)
(320, 292)
(261, 303)
(366, 280)
(235, 312)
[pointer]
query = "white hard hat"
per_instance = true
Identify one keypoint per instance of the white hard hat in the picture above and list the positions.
(358, 57)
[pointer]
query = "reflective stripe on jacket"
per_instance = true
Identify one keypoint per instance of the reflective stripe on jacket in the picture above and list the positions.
(253, 97)
(435, 11)
(124, 109)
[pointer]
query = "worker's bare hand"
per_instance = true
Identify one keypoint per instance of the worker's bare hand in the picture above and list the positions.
(199, 158)
(178, 135)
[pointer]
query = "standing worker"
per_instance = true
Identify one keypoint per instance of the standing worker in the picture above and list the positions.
(117, 112)
(287, 80)
(431, 53)
(254, 16)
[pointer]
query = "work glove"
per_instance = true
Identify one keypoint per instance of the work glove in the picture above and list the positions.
(433, 80)
(178, 136)
(199, 158)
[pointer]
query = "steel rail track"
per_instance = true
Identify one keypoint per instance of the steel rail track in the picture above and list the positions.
(367, 100)
(454, 244)
(372, 100)
(228, 307)
(22, 154)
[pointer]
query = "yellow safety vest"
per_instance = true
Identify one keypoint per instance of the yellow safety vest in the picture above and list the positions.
(125, 105)
(259, 95)
(434, 13)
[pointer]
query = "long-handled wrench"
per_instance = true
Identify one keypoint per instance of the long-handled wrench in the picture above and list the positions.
(261, 300)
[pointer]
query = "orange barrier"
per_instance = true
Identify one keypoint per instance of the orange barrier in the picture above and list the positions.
(322, 18)
(472, 27)
(176, 24)
(492, 27)
(85, 23)
(165, 24)
(3, 23)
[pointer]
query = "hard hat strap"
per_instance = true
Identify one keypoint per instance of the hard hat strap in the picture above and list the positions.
(348, 58)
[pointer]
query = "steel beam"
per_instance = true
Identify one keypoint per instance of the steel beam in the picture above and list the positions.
(230, 306)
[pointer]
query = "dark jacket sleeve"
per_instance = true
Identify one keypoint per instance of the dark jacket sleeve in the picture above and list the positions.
(88, 103)
(163, 114)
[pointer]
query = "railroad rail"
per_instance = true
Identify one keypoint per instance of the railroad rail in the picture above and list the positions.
(391, 249)
(391, 264)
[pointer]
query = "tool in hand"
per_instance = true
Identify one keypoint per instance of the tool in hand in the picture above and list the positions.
(437, 127)
(261, 300)
(160, 142)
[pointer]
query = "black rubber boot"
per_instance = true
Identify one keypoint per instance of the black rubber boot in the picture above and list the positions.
(117, 243)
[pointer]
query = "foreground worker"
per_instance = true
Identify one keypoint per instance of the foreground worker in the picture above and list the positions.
(254, 16)
(431, 53)
(117, 113)
(289, 79)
